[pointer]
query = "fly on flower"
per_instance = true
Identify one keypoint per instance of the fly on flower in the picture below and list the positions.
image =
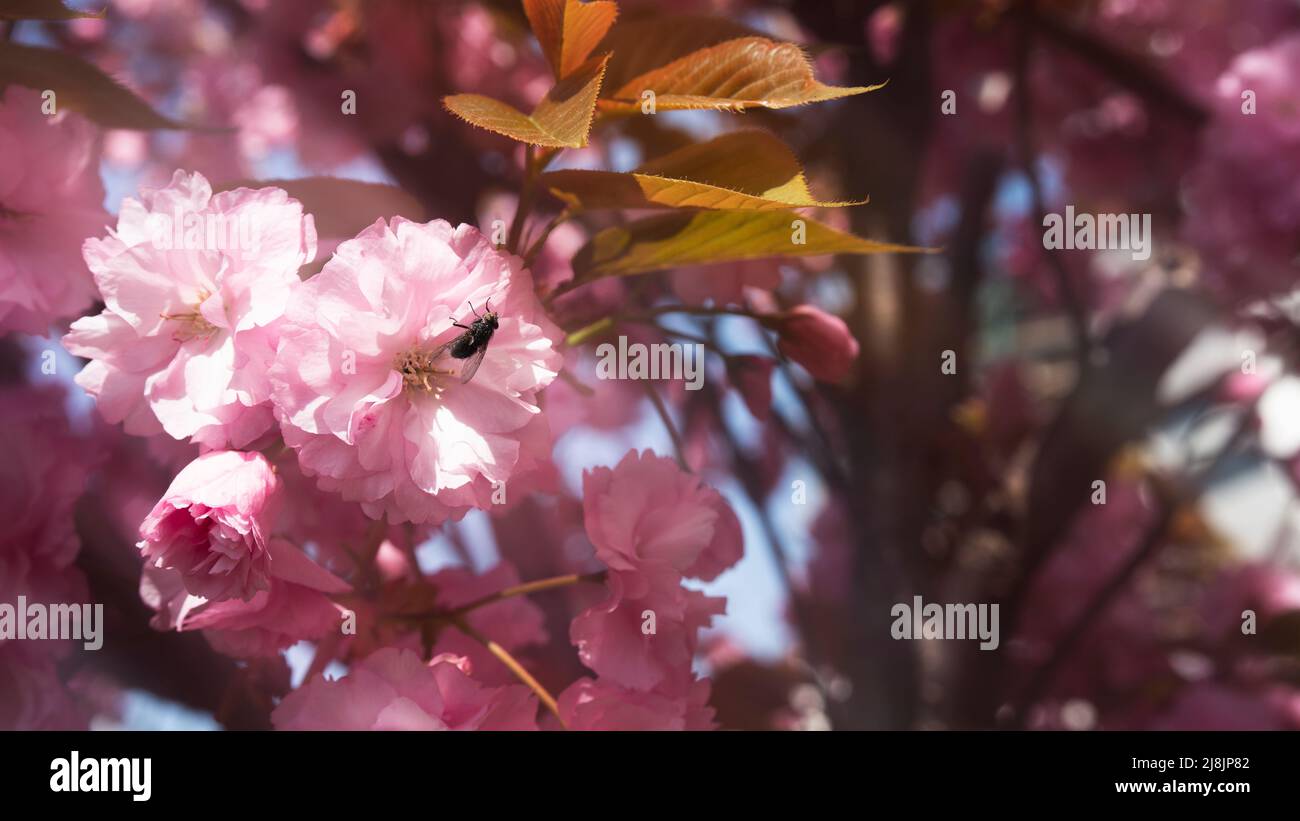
(473, 344)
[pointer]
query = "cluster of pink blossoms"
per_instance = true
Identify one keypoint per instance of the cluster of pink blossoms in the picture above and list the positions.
(223, 344)
(1243, 206)
(41, 477)
(653, 526)
(50, 198)
(216, 343)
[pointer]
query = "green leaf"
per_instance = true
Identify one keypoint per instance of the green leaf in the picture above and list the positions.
(710, 237)
(561, 120)
(745, 170)
(82, 87)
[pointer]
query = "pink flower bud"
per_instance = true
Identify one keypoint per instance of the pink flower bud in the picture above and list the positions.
(818, 341)
(212, 525)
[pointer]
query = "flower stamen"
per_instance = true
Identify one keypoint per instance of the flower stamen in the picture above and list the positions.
(193, 325)
(418, 372)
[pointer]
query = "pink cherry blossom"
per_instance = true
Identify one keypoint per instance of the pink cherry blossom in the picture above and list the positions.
(32, 696)
(43, 473)
(1123, 648)
(1214, 706)
(1266, 589)
(394, 690)
(374, 408)
(820, 342)
(726, 284)
(293, 602)
(41, 477)
(1243, 210)
(513, 623)
(212, 525)
(614, 638)
(335, 532)
(652, 524)
(50, 200)
(589, 401)
(647, 516)
(601, 705)
(883, 30)
(194, 285)
(294, 607)
(481, 64)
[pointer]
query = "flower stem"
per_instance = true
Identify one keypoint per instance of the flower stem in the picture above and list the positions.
(678, 447)
(682, 335)
(699, 310)
(526, 588)
(503, 655)
(525, 200)
(587, 332)
(536, 248)
(588, 391)
(603, 324)
(523, 589)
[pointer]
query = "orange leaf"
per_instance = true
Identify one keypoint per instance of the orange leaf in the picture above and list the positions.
(640, 44)
(744, 73)
(569, 30)
(561, 120)
(744, 170)
(711, 237)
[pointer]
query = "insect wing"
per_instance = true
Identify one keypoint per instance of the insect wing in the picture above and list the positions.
(437, 352)
(470, 367)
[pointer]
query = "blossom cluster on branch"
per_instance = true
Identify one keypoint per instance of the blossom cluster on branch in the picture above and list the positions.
(580, 364)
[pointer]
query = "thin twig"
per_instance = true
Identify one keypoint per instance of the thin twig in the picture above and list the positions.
(749, 475)
(536, 248)
(662, 409)
(530, 587)
(525, 200)
(697, 310)
(1073, 303)
(524, 589)
(830, 467)
(1122, 67)
(605, 323)
(519, 671)
(682, 335)
(577, 384)
(1153, 539)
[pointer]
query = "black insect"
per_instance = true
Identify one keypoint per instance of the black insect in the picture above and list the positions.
(473, 344)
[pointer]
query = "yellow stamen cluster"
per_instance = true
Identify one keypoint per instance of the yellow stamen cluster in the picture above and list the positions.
(417, 370)
(192, 323)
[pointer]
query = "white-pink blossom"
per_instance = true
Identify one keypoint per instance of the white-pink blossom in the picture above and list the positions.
(194, 284)
(376, 412)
